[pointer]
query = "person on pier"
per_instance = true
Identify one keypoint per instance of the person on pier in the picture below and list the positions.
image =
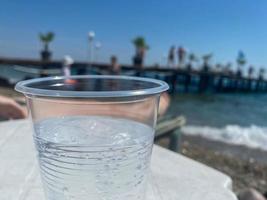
(261, 74)
(260, 84)
(181, 53)
(205, 77)
(241, 61)
(227, 70)
(206, 58)
(171, 57)
(66, 65)
(115, 68)
(250, 71)
(191, 59)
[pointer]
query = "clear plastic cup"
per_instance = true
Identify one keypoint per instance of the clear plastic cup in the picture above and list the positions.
(94, 134)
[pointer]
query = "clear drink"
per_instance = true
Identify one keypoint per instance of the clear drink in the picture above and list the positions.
(93, 134)
(96, 158)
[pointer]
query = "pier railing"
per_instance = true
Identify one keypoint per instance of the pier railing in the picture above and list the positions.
(180, 79)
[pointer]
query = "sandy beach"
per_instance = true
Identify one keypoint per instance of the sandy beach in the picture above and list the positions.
(247, 167)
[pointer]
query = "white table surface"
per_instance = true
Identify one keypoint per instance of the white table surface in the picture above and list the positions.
(174, 177)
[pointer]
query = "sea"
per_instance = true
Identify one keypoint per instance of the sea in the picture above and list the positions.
(234, 118)
(238, 119)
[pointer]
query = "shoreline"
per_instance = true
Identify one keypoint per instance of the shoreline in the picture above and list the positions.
(232, 150)
(247, 167)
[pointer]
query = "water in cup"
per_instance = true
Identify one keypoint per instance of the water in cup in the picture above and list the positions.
(84, 153)
(93, 157)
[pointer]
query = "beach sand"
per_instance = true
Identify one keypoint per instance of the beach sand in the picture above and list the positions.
(247, 167)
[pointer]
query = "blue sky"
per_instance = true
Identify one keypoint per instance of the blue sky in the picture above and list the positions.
(202, 26)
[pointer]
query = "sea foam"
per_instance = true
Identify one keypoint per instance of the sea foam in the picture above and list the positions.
(252, 136)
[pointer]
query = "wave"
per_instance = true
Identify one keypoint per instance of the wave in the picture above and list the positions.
(252, 136)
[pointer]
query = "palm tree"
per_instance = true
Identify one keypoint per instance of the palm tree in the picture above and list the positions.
(206, 58)
(250, 71)
(140, 43)
(191, 58)
(141, 47)
(46, 39)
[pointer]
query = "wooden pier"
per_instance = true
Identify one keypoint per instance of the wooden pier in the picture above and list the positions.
(180, 80)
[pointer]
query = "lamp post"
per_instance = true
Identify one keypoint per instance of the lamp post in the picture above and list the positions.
(91, 36)
(163, 60)
(98, 45)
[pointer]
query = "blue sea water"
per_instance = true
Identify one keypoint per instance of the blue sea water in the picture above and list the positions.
(15, 73)
(233, 118)
(219, 110)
